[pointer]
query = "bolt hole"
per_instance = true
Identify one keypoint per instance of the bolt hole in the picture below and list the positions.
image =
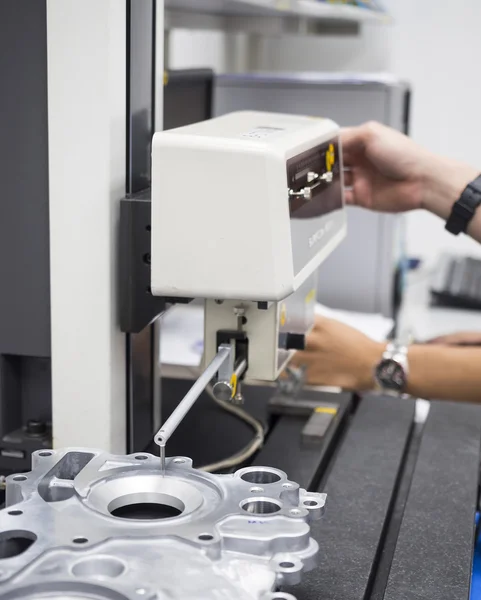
(80, 540)
(310, 503)
(179, 461)
(263, 477)
(45, 454)
(286, 565)
(287, 486)
(15, 513)
(206, 537)
(147, 258)
(141, 457)
(19, 478)
(256, 490)
(295, 512)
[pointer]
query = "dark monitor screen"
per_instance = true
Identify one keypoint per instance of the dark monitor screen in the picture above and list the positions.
(188, 96)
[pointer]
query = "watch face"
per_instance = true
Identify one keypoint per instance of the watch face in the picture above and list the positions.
(391, 375)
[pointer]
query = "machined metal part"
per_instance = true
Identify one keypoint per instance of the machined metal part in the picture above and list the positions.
(88, 525)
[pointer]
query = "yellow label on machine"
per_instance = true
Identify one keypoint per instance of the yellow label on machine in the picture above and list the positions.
(233, 382)
(326, 410)
(330, 157)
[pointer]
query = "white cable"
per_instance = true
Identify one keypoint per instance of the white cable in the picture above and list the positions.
(250, 449)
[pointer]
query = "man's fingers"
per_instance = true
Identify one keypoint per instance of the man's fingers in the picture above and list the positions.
(348, 177)
(354, 139)
(349, 197)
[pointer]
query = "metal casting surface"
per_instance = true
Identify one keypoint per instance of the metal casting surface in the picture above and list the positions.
(87, 525)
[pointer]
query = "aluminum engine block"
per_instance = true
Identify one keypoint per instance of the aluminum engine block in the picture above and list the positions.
(88, 525)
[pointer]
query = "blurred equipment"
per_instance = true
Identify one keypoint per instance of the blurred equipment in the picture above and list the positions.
(188, 96)
(456, 282)
(261, 205)
(366, 273)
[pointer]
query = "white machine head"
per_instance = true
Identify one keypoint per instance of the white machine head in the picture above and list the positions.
(245, 207)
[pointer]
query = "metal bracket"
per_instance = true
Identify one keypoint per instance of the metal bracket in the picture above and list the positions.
(138, 308)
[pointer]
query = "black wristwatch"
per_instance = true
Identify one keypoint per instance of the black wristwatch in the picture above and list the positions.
(465, 208)
(392, 371)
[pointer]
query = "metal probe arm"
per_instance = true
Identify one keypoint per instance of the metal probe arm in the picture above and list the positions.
(223, 363)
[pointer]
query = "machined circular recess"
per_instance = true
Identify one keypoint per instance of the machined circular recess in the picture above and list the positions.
(261, 476)
(98, 567)
(60, 590)
(261, 506)
(145, 497)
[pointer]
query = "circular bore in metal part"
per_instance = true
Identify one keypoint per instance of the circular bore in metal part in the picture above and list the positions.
(146, 506)
(256, 490)
(19, 478)
(260, 506)
(310, 503)
(174, 494)
(45, 454)
(261, 476)
(287, 565)
(15, 513)
(60, 590)
(141, 457)
(179, 461)
(98, 567)
(206, 537)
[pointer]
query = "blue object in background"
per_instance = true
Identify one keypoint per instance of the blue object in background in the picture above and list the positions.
(476, 583)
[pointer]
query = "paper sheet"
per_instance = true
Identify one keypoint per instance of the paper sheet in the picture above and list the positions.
(374, 326)
(182, 336)
(182, 331)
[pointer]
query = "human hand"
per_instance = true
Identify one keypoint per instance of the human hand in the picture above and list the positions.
(462, 338)
(389, 172)
(337, 355)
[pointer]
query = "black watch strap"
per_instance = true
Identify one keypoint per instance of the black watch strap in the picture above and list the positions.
(465, 208)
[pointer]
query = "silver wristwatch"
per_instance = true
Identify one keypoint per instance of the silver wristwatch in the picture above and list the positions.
(392, 371)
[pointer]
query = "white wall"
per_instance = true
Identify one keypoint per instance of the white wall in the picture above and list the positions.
(436, 47)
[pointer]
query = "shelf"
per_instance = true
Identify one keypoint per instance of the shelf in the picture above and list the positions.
(268, 16)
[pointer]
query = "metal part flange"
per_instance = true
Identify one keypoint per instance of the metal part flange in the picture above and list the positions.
(85, 524)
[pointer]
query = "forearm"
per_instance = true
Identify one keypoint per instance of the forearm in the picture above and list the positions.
(444, 184)
(445, 373)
